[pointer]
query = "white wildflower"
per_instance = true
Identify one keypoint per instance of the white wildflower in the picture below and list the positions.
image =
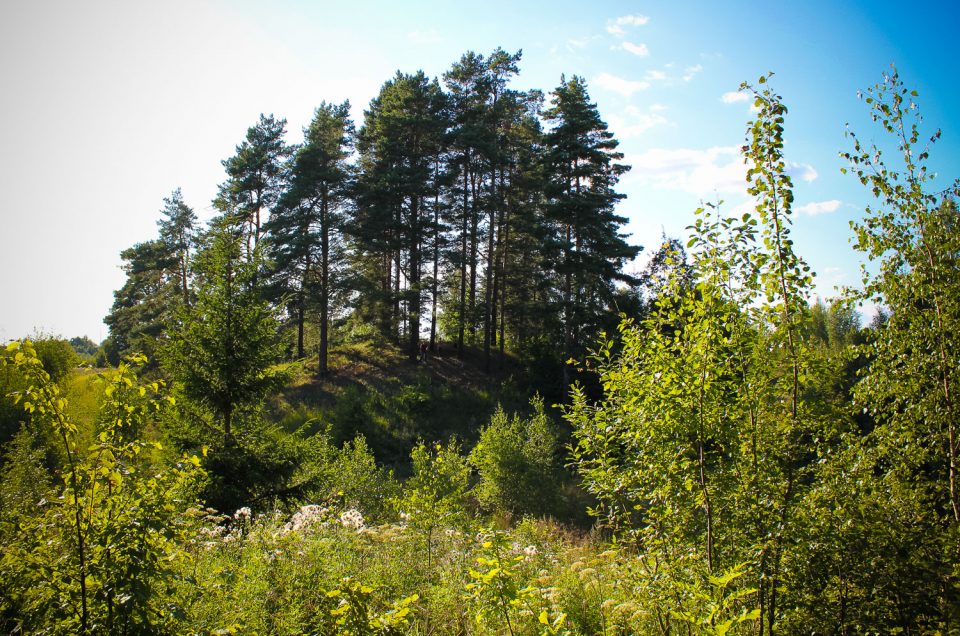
(352, 519)
(306, 518)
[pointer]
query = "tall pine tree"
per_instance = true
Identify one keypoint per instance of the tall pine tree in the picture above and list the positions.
(254, 179)
(399, 144)
(305, 230)
(581, 172)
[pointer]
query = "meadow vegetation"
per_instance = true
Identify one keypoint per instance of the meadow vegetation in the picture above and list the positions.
(730, 456)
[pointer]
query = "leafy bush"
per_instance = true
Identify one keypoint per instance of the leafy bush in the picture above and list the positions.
(516, 460)
(56, 355)
(96, 556)
(360, 483)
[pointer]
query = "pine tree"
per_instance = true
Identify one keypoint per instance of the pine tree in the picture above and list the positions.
(178, 233)
(158, 273)
(254, 179)
(399, 144)
(306, 227)
(222, 346)
(581, 173)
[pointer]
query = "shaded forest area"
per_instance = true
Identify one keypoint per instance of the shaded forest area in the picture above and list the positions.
(331, 410)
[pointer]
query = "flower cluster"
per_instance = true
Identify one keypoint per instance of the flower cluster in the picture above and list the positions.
(352, 519)
(308, 517)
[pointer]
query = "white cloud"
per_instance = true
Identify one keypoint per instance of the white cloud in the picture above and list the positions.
(619, 85)
(634, 122)
(655, 76)
(615, 26)
(578, 43)
(801, 171)
(424, 37)
(733, 97)
(691, 71)
(819, 207)
(702, 172)
(640, 50)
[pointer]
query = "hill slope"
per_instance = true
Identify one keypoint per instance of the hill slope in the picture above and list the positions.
(374, 391)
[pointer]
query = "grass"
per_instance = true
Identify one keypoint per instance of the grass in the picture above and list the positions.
(374, 391)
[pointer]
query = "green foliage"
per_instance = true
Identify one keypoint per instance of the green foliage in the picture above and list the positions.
(355, 616)
(516, 460)
(84, 346)
(497, 591)
(705, 433)
(360, 483)
(226, 343)
(254, 182)
(718, 605)
(25, 481)
(56, 355)
(434, 497)
(97, 553)
(907, 388)
(581, 171)
(158, 280)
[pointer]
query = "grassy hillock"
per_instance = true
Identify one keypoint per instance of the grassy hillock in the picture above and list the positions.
(374, 390)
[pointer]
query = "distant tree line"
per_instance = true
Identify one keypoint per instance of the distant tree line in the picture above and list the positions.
(461, 211)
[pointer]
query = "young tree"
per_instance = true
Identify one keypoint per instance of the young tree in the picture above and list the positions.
(95, 554)
(913, 234)
(706, 438)
(516, 459)
(222, 348)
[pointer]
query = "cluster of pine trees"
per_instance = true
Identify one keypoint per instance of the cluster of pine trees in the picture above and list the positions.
(462, 209)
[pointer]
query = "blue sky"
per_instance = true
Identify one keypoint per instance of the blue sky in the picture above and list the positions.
(107, 106)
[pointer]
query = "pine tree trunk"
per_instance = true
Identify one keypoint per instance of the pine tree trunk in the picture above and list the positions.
(324, 282)
(463, 265)
(436, 261)
(474, 250)
(489, 275)
(413, 293)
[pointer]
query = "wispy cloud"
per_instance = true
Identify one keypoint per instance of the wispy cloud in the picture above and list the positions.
(616, 25)
(819, 207)
(619, 85)
(634, 121)
(691, 71)
(580, 43)
(734, 97)
(639, 50)
(698, 171)
(655, 76)
(802, 171)
(424, 37)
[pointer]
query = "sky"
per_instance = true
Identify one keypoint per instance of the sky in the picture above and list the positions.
(107, 106)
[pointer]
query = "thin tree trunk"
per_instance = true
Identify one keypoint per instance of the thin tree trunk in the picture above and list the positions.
(474, 249)
(463, 263)
(436, 259)
(489, 275)
(413, 306)
(324, 282)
